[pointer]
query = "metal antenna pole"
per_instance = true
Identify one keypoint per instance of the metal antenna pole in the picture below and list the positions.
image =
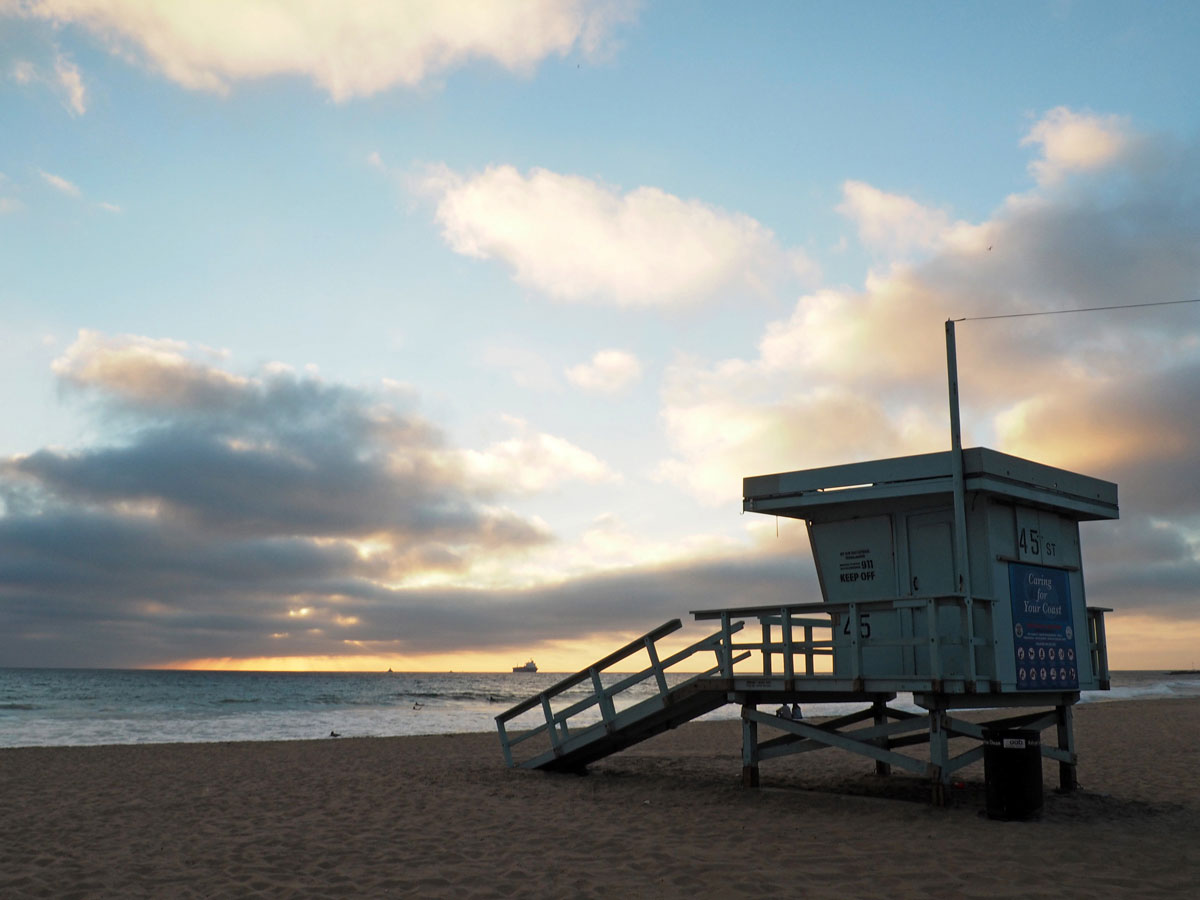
(962, 556)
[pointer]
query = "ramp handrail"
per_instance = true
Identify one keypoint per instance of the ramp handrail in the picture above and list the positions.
(556, 722)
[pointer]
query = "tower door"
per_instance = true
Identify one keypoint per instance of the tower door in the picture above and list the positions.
(931, 554)
(931, 573)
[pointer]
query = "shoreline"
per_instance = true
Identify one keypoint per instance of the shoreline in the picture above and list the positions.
(195, 725)
(435, 815)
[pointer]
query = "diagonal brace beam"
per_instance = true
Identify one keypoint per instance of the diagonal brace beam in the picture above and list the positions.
(834, 739)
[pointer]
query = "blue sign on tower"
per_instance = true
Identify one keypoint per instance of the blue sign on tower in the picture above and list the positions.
(1043, 629)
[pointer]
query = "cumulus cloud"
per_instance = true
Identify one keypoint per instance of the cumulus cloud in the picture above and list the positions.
(577, 240)
(860, 373)
(224, 460)
(1076, 142)
(533, 462)
(608, 372)
(347, 49)
(891, 222)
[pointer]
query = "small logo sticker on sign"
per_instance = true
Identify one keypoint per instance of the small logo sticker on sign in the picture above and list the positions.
(1014, 743)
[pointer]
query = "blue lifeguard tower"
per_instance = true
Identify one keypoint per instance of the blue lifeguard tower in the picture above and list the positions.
(956, 576)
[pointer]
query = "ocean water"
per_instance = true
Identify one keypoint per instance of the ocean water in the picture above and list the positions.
(55, 707)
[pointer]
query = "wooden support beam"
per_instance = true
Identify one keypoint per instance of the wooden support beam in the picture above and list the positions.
(876, 735)
(835, 739)
(880, 711)
(939, 755)
(1067, 781)
(749, 748)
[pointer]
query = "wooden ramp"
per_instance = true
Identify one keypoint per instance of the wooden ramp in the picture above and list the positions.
(568, 738)
(651, 717)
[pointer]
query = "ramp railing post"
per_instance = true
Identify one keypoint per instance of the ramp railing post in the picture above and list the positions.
(808, 650)
(555, 739)
(608, 711)
(659, 675)
(505, 747)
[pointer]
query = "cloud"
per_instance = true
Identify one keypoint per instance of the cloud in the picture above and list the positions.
(751, 418)
(347, 49)
(147, 373)
(533, 462)
(66, 81)
(1076, 142)
(81, 589)
(577, 240)
(219, 504)
(608, 372)
(272, 514)
(71, 84)
(859, 373)
(891, 222)
(60, 184)
(266, 457)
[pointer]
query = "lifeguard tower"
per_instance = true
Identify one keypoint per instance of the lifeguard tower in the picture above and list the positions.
(989, 615)
(956, 576)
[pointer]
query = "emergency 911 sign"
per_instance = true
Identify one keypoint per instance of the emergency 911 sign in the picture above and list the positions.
(1043, 630)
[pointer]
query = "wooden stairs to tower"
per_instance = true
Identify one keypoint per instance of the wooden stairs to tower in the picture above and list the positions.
(569, 747)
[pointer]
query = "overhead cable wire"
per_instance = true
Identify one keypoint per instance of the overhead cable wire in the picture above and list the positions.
(1059, 312)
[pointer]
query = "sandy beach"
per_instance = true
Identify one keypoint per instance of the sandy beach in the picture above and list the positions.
(441, 816)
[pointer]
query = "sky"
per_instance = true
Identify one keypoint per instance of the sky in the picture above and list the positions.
(440, 335)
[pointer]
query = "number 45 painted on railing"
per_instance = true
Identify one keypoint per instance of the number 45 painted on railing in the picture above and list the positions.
(864, 625)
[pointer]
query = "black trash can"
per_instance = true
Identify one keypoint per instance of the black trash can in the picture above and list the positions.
(1012, 771)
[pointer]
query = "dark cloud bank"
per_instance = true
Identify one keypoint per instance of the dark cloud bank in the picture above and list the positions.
(226, 517)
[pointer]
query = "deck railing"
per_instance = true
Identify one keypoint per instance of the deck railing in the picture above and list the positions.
(556, 725)
(806, 632)
(1097, 643)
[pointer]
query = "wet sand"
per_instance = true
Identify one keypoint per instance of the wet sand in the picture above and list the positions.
(441, 816)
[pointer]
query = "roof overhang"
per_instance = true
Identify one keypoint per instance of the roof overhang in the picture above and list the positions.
(810, 493)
